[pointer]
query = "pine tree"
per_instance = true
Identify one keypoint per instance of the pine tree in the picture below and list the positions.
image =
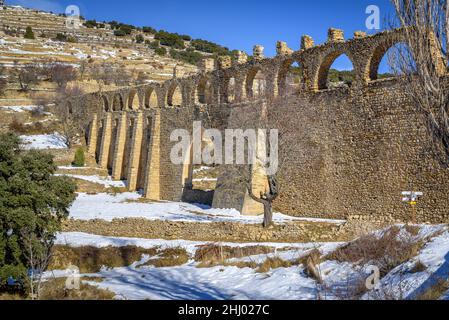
(29, 34)
(80, 159)
(33, 203)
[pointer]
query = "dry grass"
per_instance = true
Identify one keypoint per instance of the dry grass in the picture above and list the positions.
(214, 252)
(91, 260)
(436, 291)
(386, 252)
(310, 262)
(273, 263)
(169, 258)
(418, 267)
(55, 289)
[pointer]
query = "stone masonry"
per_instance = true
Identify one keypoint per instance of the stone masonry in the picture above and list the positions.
(363, 146)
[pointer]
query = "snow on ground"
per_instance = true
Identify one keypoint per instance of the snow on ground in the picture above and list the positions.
(228, 282)
(79, 239)
(188, 281)
(19, 108)
(44, 141)
(126, 205)
(106, 181)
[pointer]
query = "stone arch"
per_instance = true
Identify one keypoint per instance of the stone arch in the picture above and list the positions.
(204, 91)
(256, 83)
(231, 89)
(127, 148)
(287, 77)
(151, 98)
(105, 102)
(133, 100)
(174, 95)
(117, 104)
(325, 65)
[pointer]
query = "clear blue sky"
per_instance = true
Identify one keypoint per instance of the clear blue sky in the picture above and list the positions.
(232, 23)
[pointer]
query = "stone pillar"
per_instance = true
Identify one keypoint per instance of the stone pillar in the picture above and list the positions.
(258, 52)
(282, 49)
(241, 57)
(105, 141)
(359, 35)
(207, 64)
(335, 35)
(307, 42)
(135, 156)
(152, 179)
(93, 133)
(119, 148)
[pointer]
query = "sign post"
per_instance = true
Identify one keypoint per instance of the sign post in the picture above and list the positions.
(411, 198)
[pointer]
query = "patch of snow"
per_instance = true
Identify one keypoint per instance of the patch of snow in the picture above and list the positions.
(126, 205)
(106, 181)
(43, 142)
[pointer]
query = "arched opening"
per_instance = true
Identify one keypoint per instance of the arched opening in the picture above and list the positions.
(105, 103)
(118, 103)
(390, 60)
(256, 84)
(231, 90)
(203, 91)
(145, 148)
(133, 100)
(99, 136)
(290, 78)
(174, 97)
(336, 71)
(112, 144)
(151, 98)
(127, 149)
(199, 180)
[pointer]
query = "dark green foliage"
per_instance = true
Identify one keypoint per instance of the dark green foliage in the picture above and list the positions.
(119, 33)
(153, 44)
(139, 38)
(32, 204)
(29, 34)
(188, 56)
(64, 38)
(80, 159)
(173, 40)
(149, 30)
(160, 51)
(210, 47)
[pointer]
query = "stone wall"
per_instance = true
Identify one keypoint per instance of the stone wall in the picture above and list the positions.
(359, 146)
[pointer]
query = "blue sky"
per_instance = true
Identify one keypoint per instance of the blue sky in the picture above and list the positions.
(232, 23)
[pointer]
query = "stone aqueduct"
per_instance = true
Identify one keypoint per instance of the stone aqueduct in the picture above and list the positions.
(368, 142)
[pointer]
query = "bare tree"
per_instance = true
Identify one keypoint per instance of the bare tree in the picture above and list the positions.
(422, 62)
(38, 255)
(28, 75)
(62, 74)
(3, 81)
(69, 117)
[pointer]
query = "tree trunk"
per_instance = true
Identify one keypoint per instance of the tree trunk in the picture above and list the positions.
(267, 214)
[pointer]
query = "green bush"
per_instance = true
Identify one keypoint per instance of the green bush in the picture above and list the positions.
(188, 56)
(209, 47)
(119, 33)
(160, 51)
(33, 203)
(29, 34)
(153, 44)
(80, 159)
(170, 39)
(139, 38)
